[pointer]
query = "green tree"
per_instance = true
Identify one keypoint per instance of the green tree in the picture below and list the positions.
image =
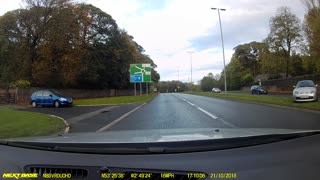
(210, 81)
(207, 83)
(312, 33)
(249, 55)
(285, 33)
(57, 43)
(171, 86)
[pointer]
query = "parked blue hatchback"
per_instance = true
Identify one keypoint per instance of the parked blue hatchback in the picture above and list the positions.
(49, 98)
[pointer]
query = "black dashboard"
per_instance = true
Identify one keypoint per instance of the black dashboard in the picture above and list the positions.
(291, 159)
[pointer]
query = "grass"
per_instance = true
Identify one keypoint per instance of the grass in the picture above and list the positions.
(115, 100)
(16, 123)
(283, 101)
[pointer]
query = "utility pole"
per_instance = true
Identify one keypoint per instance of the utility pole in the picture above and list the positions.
(178, 80)
(224, 61)
(190, 52)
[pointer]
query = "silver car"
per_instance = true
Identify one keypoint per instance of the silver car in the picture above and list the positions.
(216, 90)
(305, 90)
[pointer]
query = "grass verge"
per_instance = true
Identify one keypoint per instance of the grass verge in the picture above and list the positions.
(16, 123)
(282, 101)
(115, 100)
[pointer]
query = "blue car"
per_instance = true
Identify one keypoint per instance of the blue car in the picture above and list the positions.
(256, 89)
(49, 98)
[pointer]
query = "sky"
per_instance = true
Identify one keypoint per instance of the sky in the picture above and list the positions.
(169, 30)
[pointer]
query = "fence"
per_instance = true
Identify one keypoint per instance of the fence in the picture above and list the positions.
(6, 98)
(287, 84)
(23, 95)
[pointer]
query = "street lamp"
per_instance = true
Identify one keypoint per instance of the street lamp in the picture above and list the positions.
(190, 52)
(224, 61)
(178, 79)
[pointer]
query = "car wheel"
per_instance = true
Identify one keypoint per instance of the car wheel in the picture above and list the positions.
(34, 104)
(57, 104)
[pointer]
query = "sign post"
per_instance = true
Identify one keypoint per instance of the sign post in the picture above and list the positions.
(147, 88)
(140, 73)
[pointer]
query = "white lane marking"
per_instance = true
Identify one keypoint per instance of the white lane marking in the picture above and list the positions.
(206, 112)
(215, 117)
(210, 114)
(181, 98)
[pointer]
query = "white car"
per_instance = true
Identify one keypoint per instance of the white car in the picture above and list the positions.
(216, 90)
(305, 90)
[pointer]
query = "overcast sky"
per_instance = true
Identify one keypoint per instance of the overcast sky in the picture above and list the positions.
(169, 29)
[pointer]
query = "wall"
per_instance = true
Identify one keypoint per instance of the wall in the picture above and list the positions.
(23, 95)
(287, 84)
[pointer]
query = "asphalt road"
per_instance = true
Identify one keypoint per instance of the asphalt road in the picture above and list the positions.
(174, 110)
(86, 118)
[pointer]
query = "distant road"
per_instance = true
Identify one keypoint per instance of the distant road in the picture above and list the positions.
(175, 110)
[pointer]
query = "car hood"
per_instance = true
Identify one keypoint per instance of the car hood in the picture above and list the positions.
(155, 135)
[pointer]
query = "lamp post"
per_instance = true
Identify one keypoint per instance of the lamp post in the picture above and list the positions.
(190, 52)
(178, 79)
(224, 61)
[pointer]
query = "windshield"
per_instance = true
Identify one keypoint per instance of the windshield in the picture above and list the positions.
(195, 69)
(305, 84)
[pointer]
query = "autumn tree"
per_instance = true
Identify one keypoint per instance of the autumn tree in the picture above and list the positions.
(312, 32)
(58, 43)
(249, 55)
(285, 33)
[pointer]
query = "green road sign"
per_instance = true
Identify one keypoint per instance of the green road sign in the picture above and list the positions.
(140, 73)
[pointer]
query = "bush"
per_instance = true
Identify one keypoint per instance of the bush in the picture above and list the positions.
(246, 79)
(21, 84)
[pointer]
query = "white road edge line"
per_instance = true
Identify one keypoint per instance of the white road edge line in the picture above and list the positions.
(108, 126)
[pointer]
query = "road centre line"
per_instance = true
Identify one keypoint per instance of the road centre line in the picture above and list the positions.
(191, 104)
(206, 112)
(210, 114)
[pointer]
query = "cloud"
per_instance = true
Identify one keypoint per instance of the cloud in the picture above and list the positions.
(168, 29)
(10, 5)
(168, 33)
